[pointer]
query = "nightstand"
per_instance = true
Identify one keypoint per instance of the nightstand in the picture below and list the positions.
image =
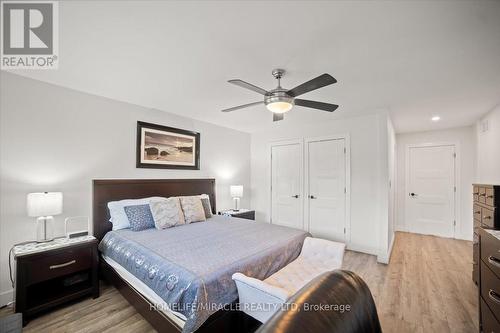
(52, 273)
(242, 213)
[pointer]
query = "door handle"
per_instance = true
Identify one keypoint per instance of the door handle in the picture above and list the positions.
(296, 196)
(312, 197)
(413, 194)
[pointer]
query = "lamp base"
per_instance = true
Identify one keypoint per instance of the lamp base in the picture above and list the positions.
(236, 204)
(45, 232)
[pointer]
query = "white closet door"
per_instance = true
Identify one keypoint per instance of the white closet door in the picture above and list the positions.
(286, 190)
(326, 183)
(431, 190)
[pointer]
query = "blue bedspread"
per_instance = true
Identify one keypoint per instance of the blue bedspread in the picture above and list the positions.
(190, 266)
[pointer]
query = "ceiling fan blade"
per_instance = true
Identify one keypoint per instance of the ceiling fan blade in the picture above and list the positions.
(278, 116)
(234, 108)
(247, 85)
(316, 83)
(316, 105)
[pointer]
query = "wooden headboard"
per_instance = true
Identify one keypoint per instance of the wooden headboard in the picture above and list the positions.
(108, 190)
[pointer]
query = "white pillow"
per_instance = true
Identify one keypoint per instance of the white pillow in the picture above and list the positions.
(192, 209)
(167, 213)
(205, 201)
(117, 213)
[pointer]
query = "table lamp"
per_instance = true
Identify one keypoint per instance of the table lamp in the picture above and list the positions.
(43, 206)
(236, 194)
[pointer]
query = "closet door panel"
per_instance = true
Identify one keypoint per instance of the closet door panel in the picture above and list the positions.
(326, 182)
(286, 185)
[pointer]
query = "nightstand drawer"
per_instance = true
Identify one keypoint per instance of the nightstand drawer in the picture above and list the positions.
(51, 266)
(490, 253)
(242, 214)
(490, 197)
(489, 322)
(475, 193)
(250, 215)
(477, 212)
(482, 195)
(490, 290)
(488, 217)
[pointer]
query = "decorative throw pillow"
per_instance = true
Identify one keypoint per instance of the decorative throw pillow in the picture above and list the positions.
(117, 213)
(167, 213)
(193, 209)
(205, 201)
(140, 217)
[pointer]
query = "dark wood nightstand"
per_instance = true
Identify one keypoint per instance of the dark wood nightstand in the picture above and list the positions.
(242, 213)
(51, 274)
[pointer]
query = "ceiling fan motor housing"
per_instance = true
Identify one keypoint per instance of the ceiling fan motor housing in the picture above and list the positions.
(277, 100)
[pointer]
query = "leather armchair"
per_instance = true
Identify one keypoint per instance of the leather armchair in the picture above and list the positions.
(336, 301)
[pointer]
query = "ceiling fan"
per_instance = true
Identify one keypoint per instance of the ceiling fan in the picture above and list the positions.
(280, 100)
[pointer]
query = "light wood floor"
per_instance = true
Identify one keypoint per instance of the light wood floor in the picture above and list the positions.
(427, 287)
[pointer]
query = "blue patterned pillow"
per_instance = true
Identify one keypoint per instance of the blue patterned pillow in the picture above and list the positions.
(140, 217)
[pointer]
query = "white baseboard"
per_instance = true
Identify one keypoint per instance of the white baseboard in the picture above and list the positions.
(6, 297)
(385, 258)
(362, 249)
(399, 227)
(462, 237)
(458, 236)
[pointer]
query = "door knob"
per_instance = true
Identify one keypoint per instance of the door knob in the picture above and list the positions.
(296, 196)
(413, 194)
(312, 197)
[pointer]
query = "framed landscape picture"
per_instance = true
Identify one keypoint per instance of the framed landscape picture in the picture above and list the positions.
(167, 147)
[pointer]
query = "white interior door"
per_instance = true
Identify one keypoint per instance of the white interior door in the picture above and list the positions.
(431, 190)
(326, 188)
(286, 185)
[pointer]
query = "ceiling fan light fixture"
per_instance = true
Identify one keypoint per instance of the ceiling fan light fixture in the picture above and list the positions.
(279, 107)
(279, 102)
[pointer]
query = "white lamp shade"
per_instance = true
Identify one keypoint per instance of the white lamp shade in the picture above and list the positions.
(236, 191)
(44, 204)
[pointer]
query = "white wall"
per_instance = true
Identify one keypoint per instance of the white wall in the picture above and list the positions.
(57, 139)
(391, 172)
(488, 148)
(464, 137)
(368, 151)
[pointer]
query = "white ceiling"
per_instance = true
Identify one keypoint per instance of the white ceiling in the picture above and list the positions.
(415, 59)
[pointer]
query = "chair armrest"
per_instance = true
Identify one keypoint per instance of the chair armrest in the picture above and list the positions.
(257, 298)
(260, 286)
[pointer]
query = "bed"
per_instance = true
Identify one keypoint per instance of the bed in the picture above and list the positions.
(179, 278)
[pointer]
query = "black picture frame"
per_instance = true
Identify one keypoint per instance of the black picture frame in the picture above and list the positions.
(141, 163)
